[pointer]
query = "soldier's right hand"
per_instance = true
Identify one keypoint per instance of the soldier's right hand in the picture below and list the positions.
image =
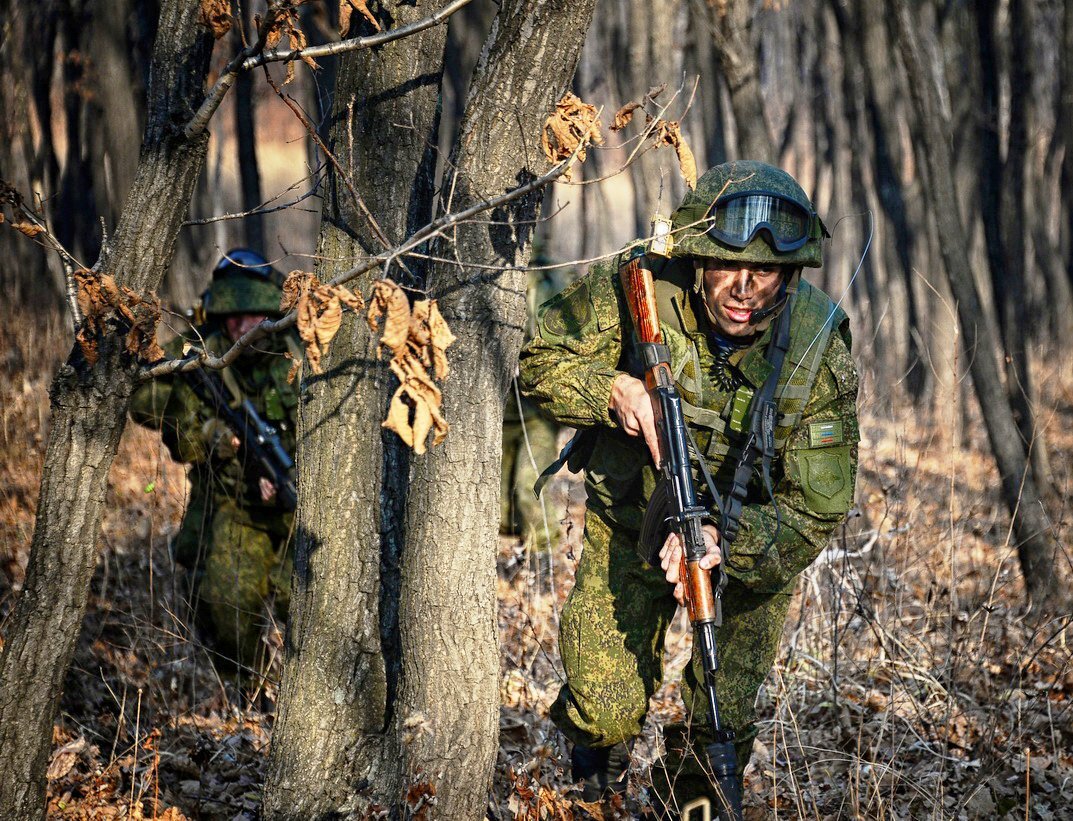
(632, 406)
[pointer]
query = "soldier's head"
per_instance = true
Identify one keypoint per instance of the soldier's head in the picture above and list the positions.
(749, 228)
(244, 291)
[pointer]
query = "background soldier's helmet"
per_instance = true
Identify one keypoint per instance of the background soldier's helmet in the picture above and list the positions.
(749, 211)
(243, 283)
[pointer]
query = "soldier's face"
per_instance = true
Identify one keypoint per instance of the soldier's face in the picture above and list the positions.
(238, 324)
(735, 291)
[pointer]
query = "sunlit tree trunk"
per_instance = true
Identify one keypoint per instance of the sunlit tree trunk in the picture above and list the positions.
(88, 412)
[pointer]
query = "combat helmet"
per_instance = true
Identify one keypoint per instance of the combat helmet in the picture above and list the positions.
(749, 211)
(243, 282)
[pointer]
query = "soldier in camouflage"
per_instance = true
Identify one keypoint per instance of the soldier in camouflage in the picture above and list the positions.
(529, 439)
(740, 242)
(234, 537)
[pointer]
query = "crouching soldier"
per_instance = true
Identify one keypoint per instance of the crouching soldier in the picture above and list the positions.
(235, 535)
(731, 284)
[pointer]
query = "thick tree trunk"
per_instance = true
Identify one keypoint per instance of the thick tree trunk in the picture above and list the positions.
(450, 659)
(1064, 126)
(730, 25)
(89, 407)
(331, 747)
(1035, 543)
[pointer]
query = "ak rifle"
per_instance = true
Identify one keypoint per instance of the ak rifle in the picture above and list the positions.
(261, 451)
(675, 504)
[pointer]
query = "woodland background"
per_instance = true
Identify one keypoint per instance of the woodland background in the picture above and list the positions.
(915, 681)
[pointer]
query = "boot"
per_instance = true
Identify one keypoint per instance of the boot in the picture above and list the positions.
(603, 771)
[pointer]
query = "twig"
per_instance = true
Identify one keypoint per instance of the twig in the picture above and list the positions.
(263, 207)
(202, 358)
(254, 56)
(10, 195)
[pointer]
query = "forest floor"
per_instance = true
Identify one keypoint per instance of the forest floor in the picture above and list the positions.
(910, 684)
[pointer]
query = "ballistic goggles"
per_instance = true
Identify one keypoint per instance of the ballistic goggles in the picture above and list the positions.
(243, 261)
(736, 221)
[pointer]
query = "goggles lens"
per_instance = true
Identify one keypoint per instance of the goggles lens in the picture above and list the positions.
(242, 261)
(737, 221)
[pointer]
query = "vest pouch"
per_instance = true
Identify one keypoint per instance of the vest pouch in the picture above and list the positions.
(613, 474)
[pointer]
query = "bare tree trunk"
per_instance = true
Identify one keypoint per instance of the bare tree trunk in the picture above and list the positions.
(450, 654)
(332, 739)
(89, 407)
(1035, 543)
(1064, 126)
(253, 225)
(730, 25)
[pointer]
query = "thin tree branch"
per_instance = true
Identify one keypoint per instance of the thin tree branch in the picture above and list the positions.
(255, 56)
(201, 358)
(11, 196)
(264, 208)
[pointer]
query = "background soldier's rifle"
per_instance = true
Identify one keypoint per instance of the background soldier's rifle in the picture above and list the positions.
(259, 447)
(675, 503)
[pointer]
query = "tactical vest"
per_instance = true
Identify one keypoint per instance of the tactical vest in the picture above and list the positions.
(706, 406)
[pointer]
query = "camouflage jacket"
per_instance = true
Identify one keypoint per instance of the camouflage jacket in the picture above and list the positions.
(568, 369)
(195, 434)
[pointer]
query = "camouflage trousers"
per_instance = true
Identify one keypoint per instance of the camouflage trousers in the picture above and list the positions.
(240, 567)
(611, 639)
(520, 510)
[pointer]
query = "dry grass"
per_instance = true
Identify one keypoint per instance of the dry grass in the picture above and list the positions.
(910, 683)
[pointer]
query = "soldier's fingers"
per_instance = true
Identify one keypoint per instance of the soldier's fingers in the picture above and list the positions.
(648, 427)
(673, 566)
(668, 543)
(711, 558)
(680, 594)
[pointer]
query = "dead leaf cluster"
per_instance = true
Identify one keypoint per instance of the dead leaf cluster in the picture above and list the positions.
(573, 123)
(347, 7)
(285, 23)
(106, 306)
(215, 15)
(669, 132)
(418, 339)
(320, 312)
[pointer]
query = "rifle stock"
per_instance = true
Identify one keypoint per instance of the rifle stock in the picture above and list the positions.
(685, 516)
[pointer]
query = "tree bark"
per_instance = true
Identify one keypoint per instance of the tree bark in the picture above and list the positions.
(330, 747)
(253, 225)
(730, 25)
(1036, 547)
(450, 659)
(89, 407)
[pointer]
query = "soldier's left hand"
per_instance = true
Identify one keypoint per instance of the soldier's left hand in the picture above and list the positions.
(671, 558)
(268, 490)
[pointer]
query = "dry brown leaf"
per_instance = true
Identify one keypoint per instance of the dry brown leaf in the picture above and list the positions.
(27, 228)
(63, 760)
(215, 15)
(441, 340)
(572, 123)
(296, 366)
(348, 6)
(624, 115)
(294, 286)
(319, 309)
(669, 132)
(390, 300)
(172, 814)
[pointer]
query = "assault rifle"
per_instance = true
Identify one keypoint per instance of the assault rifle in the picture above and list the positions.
(259, 445)
(674, 502)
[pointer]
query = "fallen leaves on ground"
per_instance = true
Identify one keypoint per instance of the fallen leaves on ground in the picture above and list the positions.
(571, 124)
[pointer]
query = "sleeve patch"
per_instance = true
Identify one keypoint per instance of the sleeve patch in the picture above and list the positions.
(827, 479)
(570, 313)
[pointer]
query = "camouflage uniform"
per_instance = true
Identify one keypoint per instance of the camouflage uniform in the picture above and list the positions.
(520, 509)
(611, 635)
(234, 544)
